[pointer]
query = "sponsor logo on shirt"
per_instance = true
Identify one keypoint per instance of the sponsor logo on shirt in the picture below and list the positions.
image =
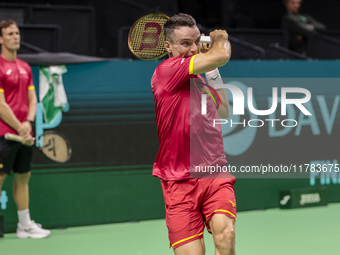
(9, 71)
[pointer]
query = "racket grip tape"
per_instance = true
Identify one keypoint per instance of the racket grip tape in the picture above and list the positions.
(12, 137)
(205, 39)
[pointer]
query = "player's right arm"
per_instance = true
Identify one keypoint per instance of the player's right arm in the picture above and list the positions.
(217, 56)
(6, 113)
(7, 116)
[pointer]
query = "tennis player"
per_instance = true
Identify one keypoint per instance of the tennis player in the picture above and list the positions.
(191, 203)
(17, 112)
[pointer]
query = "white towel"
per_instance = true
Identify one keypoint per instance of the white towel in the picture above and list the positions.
(51, 85)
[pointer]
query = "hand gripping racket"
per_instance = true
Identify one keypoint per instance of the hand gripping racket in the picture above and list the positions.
(146, 37)
(53, 145)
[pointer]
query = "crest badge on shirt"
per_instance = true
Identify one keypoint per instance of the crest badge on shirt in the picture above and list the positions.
(22, 71)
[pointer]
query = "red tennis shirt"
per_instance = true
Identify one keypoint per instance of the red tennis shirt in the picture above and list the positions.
(15, 81)
(187, 138)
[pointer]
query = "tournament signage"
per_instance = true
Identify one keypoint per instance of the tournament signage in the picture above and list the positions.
(286, 123)
(305, 197)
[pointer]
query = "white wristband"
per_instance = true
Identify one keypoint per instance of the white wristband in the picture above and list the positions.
(213, 77)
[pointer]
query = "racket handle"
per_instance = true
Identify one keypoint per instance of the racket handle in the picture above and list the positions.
(12, 137)
(205, 39)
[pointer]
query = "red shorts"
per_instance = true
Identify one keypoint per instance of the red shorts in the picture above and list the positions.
(191, 203)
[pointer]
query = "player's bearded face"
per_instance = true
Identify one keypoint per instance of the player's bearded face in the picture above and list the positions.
(11, 37)
(185, 42)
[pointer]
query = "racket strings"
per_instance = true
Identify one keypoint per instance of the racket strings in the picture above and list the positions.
(147, 37)
(56, 148)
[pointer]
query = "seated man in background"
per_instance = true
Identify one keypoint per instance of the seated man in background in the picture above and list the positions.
(299, 26)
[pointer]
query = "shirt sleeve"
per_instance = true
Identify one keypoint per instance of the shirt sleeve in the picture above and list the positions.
(174, 74)
(30, 84)
(2, 90)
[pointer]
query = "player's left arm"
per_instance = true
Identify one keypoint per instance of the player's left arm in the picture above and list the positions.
(32, 104)
(214, 78)
(26, 127)
(32, 98)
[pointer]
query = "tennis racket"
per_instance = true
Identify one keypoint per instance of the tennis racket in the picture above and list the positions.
(53, 145)
(146, 37)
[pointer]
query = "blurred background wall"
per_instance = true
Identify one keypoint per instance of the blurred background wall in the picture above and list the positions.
(97, 24)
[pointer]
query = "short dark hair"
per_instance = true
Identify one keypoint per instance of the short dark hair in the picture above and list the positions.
(178, 20)
(6, 23)
(286, 1)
